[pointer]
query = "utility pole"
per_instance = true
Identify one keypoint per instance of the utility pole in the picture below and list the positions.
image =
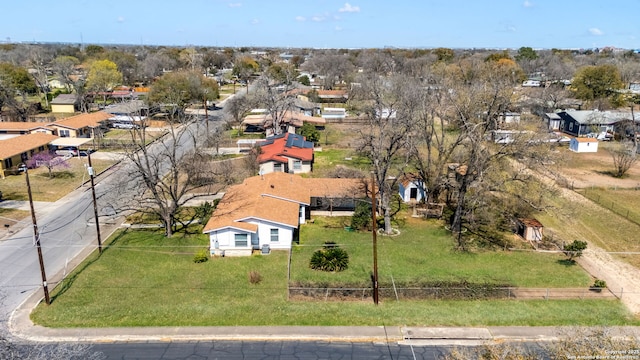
(206, 116)
(95, 204)
(375, 239)
(36, 236)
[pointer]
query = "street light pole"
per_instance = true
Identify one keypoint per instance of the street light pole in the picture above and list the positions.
(375, 239)
(95, 204)
(36, 236)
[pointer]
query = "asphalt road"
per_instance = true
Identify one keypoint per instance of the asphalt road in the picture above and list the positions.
(67, 230)
(230, 350)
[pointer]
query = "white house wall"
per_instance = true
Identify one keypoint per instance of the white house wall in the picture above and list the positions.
(226, 241)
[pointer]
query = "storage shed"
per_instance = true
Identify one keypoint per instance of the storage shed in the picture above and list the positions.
(530, 229)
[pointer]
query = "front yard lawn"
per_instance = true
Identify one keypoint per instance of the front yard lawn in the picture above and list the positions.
(43, 188)
(424, 252)
(144, 279)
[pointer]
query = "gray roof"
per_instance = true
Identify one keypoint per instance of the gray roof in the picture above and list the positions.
(598, 117)
(64, 99)
(553, 116)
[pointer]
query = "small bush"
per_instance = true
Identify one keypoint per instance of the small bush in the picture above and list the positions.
(575, 249)
(599, 284)
(201, 256)
(330, 258)
(254, 277)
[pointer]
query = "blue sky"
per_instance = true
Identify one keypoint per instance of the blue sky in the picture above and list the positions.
(328, 23)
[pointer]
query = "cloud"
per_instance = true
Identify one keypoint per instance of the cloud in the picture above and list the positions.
(255, 21)
(338, 28)
(527, 4)
(595, 32)
(349, 8)
(121, 19)
(301, 18)
(235, 5)
(318, 18)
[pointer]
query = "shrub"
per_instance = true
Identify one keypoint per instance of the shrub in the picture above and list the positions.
(254, 277)
(575, 249)
(601, 284)
(329, 258)
(361, 218)
(201, 256)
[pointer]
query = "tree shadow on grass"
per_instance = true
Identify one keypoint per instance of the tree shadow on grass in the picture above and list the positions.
(66, 283)
(566, 262)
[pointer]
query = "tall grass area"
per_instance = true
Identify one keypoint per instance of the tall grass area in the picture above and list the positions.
(424, 252)
(144, 279)
(585, 220)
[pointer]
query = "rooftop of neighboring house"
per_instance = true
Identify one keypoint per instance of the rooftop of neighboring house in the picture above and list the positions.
(531, 222)
(586, 139)
(23, 143)
(289, 117)
(83, 120)
(21, 125)
(596, 116)
(407, 179)
(276, 197)
(281, 147)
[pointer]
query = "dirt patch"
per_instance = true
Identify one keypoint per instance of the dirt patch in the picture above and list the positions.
(583, 170)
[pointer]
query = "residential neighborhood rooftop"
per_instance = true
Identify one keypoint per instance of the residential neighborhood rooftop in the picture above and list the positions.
(22, 143)
(83, 120)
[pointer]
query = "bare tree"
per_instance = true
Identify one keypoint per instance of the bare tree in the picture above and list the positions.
(624, 155)
(389, 105)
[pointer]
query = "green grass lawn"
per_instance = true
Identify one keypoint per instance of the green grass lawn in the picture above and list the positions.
(424, 253)
(43, 188)
(144, 279)
(327, 160)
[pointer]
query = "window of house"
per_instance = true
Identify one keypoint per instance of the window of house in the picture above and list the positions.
(240, 240)
(571, 126)
(297, 165)
(274, 235)
(63, 133)
(277, 167)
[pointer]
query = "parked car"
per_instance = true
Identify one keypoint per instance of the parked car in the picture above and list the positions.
(86, 152)
(66, 151)
(124, 126)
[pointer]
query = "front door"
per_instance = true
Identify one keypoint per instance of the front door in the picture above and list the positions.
(255, 243)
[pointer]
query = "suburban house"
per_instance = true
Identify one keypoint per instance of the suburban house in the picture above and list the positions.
(12, 128)
(265, 212)
(333, 96)
(289, 121)
(583, 122)
(64, 103)
(132, 112)
(583, 144)
(530, 229)
(19, 149)
(80, 126)
(286, 153)
(411, 188)
(552, 120)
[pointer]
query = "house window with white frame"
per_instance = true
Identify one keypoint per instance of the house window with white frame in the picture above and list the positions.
(277, 167)
(297, 165)
(63, 133)
(240, 240)
(274, 235)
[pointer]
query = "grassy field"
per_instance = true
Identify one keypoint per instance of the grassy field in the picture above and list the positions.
(43, 188)
(143, 279)
(327, 160)
(424, 252)
(586, 220)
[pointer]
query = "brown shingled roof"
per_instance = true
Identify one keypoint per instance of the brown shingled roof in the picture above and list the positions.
(83, 120)
(23, 143)
(21, 125)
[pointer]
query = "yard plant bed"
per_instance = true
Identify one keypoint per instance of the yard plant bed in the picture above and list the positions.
(144, 279)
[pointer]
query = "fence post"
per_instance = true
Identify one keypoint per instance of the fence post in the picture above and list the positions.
(326, 295)
(547, 297)
(621, 289)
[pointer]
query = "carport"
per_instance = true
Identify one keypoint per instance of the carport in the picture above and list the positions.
(75, 143)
